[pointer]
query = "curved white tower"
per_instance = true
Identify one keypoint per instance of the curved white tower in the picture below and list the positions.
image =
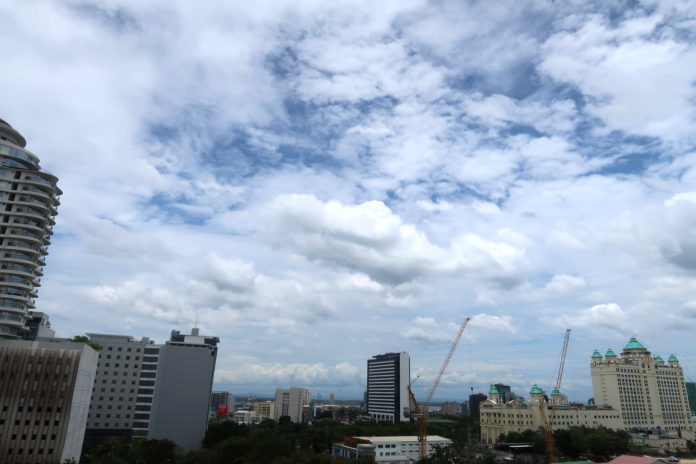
(28, 202)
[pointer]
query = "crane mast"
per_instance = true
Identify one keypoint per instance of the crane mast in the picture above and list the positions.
(421, 410)
(548, 423)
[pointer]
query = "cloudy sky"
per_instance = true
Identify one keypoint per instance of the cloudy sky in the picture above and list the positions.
(321, 182)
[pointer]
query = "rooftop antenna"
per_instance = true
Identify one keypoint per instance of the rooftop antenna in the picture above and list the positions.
(194, 331)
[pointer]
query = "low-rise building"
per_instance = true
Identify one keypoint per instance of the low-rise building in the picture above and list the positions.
(246, 417)
(265, 409)
(451, 408)
(394, 449)
(499, 418)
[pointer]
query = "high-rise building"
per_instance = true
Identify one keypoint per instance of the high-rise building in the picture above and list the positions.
(505, 391)
(45, 388)
(120, 364)
(475, 401)
(388, 377)
(146, 390)
(691, 394)
(38, 326)
(292, 403)
(28, 202)
(222, 403)
(649, 392)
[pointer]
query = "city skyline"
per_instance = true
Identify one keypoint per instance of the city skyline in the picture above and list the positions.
(317, 184)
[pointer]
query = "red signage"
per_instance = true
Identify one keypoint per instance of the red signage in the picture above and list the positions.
(221, 410)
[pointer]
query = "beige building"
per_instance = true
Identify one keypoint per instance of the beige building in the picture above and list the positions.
(265, 409)
(649, 392)
(498, 418)
(292, 403)
(635, 391)
(45, 388)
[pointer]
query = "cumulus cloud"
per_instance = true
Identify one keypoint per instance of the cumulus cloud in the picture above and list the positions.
(608, 319)
(301, 173)
(562, 283)
(638, 76)
(372, 239)
(295, 374)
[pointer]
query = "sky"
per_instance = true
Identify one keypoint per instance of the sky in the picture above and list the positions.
(320, 182)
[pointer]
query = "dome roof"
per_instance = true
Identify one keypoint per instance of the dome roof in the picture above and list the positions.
(555, 392)
(610, 353)
(596, 354)
(659, 359)
(493, 391)
(672, 358)
(634, 344)
(536, 390)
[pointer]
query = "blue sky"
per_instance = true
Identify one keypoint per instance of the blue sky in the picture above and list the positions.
(322, 182)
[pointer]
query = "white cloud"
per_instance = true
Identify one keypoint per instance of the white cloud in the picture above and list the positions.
(562, 283)
(372, 239)
(637, 81)
(607, 318)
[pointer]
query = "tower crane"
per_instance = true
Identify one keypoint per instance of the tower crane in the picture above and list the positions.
(422, 409)
(555, 395)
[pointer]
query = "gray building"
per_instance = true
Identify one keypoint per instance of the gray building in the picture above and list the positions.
(38, 326)
(28, 202)
(506, 393)
(181, 394)
(157, 391)
(388, 377)
(475, 401)
(45, 389)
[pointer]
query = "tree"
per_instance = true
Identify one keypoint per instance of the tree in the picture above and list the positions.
(83, 339)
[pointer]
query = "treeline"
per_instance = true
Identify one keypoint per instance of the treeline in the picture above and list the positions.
(269, 442)
(599, 442)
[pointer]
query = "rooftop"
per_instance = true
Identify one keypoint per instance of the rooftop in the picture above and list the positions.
(634, 344)
(403, 439)
(626, 459)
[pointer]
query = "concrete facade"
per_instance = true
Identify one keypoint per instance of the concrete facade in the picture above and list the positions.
(498, 418)
(45, 389)
(112, 410)
(28, 205)
(649, 392)
(388, 377)
(265, 409)
(292, 402)
(182, 389)
(156, 391)
(218, 398)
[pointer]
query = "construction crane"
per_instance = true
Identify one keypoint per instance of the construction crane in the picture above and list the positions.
(422, 409)
(555, 396)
